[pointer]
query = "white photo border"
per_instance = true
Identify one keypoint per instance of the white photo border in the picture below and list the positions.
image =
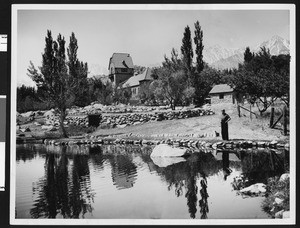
(14, 53)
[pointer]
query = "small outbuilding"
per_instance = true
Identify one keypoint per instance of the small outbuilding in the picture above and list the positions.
(222, 93)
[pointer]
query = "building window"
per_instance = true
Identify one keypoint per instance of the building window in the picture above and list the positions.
(221, 96)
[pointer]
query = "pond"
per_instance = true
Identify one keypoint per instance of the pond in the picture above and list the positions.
(124, 182)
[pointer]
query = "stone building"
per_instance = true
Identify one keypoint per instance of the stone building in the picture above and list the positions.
(222, 93)
(138, 83)
(120, 68)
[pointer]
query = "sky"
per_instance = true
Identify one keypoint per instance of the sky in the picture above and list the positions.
(147, 35)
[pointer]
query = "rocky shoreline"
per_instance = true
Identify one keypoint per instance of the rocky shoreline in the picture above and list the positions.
(178, 142)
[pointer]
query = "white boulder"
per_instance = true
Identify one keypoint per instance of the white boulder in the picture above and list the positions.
(165, 150)
(166, 161)
(49, 114)
(254, 189)
(278, 201)
(284, 176)
(27, 114)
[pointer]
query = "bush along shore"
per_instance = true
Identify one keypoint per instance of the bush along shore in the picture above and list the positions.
(277, 201)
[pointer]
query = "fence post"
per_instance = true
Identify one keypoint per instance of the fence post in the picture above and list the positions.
(285, 120)
(239, 110)
(272, 117)
(250, 112)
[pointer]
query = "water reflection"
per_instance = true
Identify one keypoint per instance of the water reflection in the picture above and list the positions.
(63, 192)
(65, 189)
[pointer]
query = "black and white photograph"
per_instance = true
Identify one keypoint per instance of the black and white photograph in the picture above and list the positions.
(162, 114)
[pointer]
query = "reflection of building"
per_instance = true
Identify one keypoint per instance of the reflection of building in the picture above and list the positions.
(120, 68)
(222, 93)
(138, 83)
(123, 172)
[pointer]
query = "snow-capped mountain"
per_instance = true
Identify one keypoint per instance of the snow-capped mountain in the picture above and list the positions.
(225, 58)
(277, 45)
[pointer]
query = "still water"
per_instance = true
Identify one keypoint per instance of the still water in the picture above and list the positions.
(124, 182)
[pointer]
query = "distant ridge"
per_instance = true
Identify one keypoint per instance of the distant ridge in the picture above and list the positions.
(225, 58)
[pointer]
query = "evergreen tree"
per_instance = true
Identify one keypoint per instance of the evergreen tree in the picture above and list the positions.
(187, 53)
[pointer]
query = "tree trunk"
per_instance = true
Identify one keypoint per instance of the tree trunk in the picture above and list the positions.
(61, 122)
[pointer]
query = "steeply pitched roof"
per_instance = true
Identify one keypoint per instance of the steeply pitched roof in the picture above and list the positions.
(221, 88)
(121, 60)
(135, 80)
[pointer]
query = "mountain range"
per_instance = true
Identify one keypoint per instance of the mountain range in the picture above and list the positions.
(227, 58)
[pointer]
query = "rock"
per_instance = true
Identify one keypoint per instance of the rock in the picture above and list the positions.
(28, 114)
(261, 144)
(284, 176)
(166, 161)
(278, 201)
(286, 214)
(165, 150)
(122, 125)
(49, 128)
(49, 114)
(254, 189)
(279, 214)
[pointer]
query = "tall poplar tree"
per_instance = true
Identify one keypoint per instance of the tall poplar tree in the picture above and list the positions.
(53, 79)
(198, 39)
(187, 53)
(198, 78)
(78, 71)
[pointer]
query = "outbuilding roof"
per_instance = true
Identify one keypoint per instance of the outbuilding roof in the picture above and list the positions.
(121, 60)
(221, 88)
(135, 80)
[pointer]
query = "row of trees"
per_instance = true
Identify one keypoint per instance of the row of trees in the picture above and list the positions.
(180, 80)
(263, 78)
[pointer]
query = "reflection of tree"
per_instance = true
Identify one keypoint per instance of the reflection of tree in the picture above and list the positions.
(203, 203)
(191, 195)
(27, 151)
(186, 174)
(258, 166)
(63, 192)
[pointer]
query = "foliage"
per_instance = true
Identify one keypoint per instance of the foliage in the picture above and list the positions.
(198, 78)
(277, 188)
(139, 69)
(56, 79)
(248, 55)
(187, 54)
(205, 81)
(122, 94)
(264, 78)
(198, 40)
(100, 91)
(78, 71)
(169, 86)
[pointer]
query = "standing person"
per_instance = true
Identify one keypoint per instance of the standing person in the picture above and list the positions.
(224, 125)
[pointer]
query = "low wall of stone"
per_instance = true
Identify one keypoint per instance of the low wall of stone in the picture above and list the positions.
(123, 120)
(190, 143)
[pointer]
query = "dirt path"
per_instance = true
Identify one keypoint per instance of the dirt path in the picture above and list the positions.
(239, 127)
